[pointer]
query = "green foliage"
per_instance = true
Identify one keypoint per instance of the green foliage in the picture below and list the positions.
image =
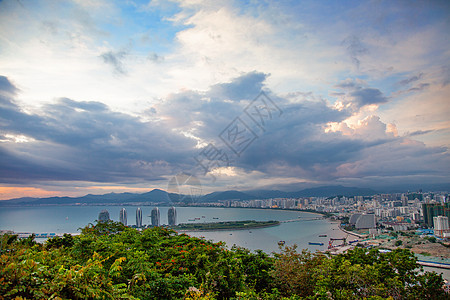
(111, 261)
(432, 239)
(398, 243)
(292, 271)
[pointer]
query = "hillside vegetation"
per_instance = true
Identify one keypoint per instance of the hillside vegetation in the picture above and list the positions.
(110, 261)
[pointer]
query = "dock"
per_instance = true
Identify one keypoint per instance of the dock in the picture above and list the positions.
(433, 264)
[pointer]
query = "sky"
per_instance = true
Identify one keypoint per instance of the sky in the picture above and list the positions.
(128, 96)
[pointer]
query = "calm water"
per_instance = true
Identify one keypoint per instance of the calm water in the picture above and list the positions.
(67, 219)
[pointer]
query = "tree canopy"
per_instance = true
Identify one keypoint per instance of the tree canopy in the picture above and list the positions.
(111, 261)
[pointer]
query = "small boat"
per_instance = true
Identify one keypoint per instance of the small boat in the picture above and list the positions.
(197, 218)
(203, 217)
(322, 235)
(215, 218)
(191, 220)
(317, 244)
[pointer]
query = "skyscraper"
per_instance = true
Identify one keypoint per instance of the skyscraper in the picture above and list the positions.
(139, 217)
(155, 216)
(172, 216)
(431, 210)
(123, 216)
(103, 216)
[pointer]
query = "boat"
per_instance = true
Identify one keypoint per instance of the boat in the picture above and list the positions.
(197, 218)
(317, 244)
(322, 235)
(215, 218)
(191, 220)
(203, 217)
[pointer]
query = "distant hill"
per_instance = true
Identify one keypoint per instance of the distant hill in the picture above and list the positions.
(154, 196)
(227, 195)
(335, 190)
(160, 196)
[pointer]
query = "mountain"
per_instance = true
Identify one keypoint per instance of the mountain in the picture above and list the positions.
(227, 195)
(268, 194)
(160, 196)
(154, 196)
(334, 190)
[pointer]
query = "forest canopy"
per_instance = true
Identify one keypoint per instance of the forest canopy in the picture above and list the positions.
(111, 261)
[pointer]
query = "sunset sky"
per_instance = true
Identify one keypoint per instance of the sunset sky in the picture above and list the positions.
(114, 96)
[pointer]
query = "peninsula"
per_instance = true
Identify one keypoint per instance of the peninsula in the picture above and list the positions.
(230, 225)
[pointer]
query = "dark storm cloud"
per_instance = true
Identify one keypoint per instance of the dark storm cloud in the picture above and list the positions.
(115, 59)
(295, 143)
(86, 141)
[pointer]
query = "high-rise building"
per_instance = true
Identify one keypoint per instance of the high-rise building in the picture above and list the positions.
(155, 217)
(172, 216)
(138, 217)
(440, 225)
(103, 216)
(123, 216)
(431, 210)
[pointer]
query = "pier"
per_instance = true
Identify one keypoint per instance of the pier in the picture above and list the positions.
(433, 264)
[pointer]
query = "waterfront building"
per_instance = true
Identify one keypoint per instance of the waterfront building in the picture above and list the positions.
(353, 219)
(172, 216)
(138, 217)
(155, 216)
(103, 216)
(366, 222)
(123, 216)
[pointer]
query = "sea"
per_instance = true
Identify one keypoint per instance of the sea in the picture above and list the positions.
(299, 228)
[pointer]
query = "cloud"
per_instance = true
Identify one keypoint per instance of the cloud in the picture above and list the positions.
(418, 132)
(244, 87)
(411, 79)
(367, 96)
(115, 59)
(358, 95)
(154, 57)
(86, 141)
(7, 87)
(355, 48)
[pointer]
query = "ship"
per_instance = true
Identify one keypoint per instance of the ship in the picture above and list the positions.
(322, 235)
(317, 244)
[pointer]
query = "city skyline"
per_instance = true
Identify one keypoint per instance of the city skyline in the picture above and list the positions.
(100, 97)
